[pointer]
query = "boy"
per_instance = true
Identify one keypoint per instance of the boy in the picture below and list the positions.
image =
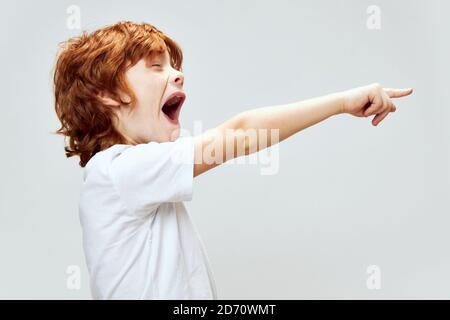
(118, 95)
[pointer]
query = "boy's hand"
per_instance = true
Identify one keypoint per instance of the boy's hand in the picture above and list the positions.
(372, 99)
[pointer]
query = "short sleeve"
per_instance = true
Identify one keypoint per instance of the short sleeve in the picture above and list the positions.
(146, 175)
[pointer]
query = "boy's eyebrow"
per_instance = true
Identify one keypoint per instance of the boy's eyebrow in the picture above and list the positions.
(153, 56)
(158, 55)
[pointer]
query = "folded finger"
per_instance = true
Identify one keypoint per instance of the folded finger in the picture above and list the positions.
(375, 107)
(380, 117)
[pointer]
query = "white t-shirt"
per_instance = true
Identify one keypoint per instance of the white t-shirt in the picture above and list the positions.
(138, 238)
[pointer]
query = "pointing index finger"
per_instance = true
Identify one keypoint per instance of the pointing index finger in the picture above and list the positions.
(398, 93)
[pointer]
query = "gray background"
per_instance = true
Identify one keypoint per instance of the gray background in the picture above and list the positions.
(347, 195)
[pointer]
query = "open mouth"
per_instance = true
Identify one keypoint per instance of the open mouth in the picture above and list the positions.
(172, 106)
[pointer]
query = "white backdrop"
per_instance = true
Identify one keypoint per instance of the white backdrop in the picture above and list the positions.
(347, 195)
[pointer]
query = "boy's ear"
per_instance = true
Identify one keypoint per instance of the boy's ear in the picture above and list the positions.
(106, 99)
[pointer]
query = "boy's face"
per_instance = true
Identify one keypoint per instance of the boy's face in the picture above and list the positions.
(153, 82)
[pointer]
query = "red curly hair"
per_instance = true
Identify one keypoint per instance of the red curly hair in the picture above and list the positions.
(93, 64)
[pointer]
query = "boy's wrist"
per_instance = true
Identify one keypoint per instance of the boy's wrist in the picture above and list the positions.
(338, 99)
(340, 96)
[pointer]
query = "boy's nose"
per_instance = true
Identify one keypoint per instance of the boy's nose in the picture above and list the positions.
(179, 79)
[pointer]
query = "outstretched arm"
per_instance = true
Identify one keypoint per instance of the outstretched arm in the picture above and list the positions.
(256, 129)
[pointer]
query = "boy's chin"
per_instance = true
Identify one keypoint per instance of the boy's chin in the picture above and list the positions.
(175, 134)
